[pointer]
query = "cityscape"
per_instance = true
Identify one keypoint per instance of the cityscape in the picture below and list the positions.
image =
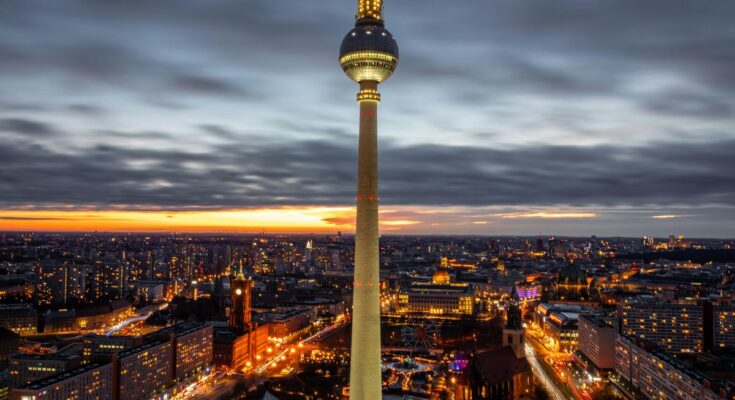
(190, 204)
(164, 316)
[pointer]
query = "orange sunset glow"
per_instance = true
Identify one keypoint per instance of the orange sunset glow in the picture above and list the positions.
(297, 219)
(292, 219)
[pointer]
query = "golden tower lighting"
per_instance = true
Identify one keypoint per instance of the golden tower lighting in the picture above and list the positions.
(368, 55)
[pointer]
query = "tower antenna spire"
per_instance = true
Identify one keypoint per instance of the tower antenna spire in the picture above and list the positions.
(369, 9)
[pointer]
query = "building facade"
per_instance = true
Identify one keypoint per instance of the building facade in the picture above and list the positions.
(240, 314)
(145, 370)
(677, 327)
(723, 319)
(437, 300)
(90, 382)
(96, 345)
(558, 322)
(655, 375)
(19, 318)
(26, 368)
(596, 340)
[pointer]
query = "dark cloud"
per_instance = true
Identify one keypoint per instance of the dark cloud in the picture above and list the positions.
(87, 109)
(13, 218)
(256, 173)
(219, 131)
(206, 85)
(26, 127)
(681, 103)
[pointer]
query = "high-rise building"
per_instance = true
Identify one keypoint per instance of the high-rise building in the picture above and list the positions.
(145, 370)
(596, 340)
(655, 375)
(677, 326)
(723, 319)
(308, 251)
(67, 283)
(368, 55)
(192, 346)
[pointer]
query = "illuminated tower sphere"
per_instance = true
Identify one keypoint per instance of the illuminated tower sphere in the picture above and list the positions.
(368, 55)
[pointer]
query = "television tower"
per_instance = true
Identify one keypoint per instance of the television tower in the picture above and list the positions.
(368, 55)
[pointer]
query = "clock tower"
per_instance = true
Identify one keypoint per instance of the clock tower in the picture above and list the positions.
(240, 298)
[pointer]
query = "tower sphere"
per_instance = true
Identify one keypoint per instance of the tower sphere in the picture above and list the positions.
(368, 53)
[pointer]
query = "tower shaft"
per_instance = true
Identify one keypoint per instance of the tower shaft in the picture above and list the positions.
(365, 373)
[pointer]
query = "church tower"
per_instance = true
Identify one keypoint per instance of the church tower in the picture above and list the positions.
(513, 331)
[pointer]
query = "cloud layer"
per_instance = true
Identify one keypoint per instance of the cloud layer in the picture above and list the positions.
(254, 171)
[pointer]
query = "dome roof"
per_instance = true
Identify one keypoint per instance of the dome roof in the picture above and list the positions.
(369, 38)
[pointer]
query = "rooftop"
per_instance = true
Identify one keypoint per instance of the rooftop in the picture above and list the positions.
(142, 347)
(500, 364)
(54, 379)
(181, 329)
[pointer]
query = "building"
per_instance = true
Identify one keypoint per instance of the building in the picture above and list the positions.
(97, 345)
(239, 351)
(368, 55)
(502, 373)
(240, 313)
(677, 326)
(572, 283)
(67, 282)
(19, 318)
(242, 342)
(91, 382)
(282, 325)
(496, 375)
(723, 320)
(231, 350)
(529, 291)
(15, 288)
(145, 370)
(596, 340)
(657, 376)
(558, 322)
(192, 343)
(150, 291)
(440, 298)
(26, 368)
(87, 319)
(9, 343)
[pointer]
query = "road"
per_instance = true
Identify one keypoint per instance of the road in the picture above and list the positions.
(140, 315)
(222, 387)
(541, 375)
(286, 359)
(289, 350)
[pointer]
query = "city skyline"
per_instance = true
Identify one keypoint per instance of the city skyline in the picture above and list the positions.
(541, 119)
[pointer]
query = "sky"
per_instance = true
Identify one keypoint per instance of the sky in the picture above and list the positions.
(526, 117)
